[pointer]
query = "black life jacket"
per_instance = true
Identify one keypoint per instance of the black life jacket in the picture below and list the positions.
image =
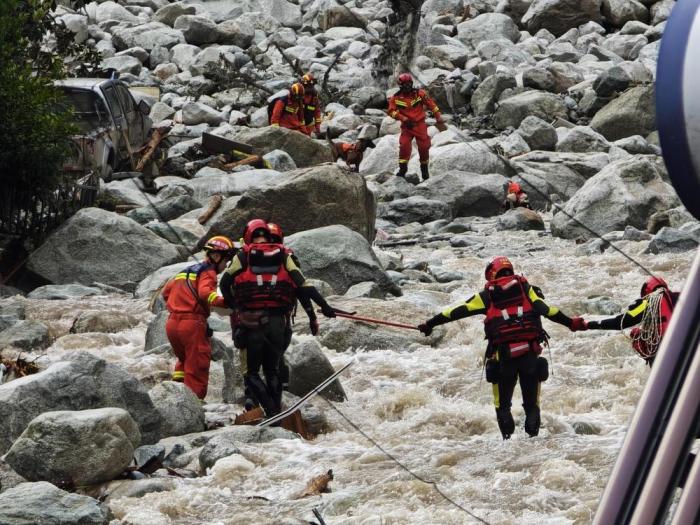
(510, 316)
(264, 282)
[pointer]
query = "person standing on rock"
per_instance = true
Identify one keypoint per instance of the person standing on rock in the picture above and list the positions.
(513, 308)
(515, 197)
(652, 312)
(261, 285)
(288, 111)
(312, 105)
(189, 296)
(408, 106)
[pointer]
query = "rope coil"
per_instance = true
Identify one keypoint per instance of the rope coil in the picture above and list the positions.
(647, 338)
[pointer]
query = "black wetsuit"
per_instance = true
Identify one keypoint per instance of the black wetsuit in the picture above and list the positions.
(503, 371)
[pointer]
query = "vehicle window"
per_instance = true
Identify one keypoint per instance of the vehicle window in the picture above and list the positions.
(113, 102)
(126, 100)
(89, 110)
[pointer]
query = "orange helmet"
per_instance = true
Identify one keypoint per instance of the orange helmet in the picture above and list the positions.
(276, 234)
(218, 244)
(308, 79)
(405, 79)
(651, 284)
(256, 226)
(497, 265)
(514, 187)
(297, 90)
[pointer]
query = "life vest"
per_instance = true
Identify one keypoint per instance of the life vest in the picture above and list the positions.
(642, 347)
(264, 282)
(510, 317)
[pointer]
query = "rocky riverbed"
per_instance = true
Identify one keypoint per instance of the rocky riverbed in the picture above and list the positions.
(555, 94)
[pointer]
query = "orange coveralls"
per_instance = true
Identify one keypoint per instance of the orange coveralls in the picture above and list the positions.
(189, 296)
(312, 113)
(410, 109)
(289, 114)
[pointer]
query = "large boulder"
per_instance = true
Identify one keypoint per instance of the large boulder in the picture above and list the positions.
(147, 36)
(513, 110)
(165, 210)
(75, 448)
(626, 192)
(541, 180)
(104, 321)
(304, 150)
(308, 367)
(558, 16)
(414, 209)
(488, 26)
(96, 245)
(582, 139)
(487, 93)
(27, 335)
(45, 504)
(619, 12)
(632, 113)
(520, 219)
(180, 410)
(80, 382)
(339, 256)
(233, 32)
(197, 29)
(383, 157)
(537, 133)
(322, 192)
(171, 12)
(474, 157)
(587, 164)
(54, 292)
(466, 194)
(672, 240)
(218, 182)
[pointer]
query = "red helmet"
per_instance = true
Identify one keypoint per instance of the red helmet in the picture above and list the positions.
(651, 284)
(497, 265)
(405, 79)
(276, 234)
(254, 227)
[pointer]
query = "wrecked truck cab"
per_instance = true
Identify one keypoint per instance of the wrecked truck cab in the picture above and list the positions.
(112, 125)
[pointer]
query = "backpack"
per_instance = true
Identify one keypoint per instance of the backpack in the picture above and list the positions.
(272, 100)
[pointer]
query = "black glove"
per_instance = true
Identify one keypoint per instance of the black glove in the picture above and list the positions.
(425, 329)
(313, 325)
(327, 310)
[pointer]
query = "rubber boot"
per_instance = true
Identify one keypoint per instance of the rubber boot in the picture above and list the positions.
(424, 171)
(403, 168)
(505, 422)
(532, 421)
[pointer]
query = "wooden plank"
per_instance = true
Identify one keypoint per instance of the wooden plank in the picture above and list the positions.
(214, 144)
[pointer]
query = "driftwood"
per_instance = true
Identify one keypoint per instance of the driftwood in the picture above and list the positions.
(317, 485)
(250, 159)
(156, 137)
(214, 204)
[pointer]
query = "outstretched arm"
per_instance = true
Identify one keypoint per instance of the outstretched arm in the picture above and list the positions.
(472, 306)
(631, 317)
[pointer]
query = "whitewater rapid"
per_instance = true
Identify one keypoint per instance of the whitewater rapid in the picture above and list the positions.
(429, 408)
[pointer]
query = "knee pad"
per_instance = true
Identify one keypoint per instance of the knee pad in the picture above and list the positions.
(493, 371)
(532, 421)
(542, 369)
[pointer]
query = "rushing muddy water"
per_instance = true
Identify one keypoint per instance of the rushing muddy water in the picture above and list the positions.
(429, 407)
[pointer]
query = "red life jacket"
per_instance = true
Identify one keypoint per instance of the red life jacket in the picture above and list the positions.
(510, 317)
(665, 310)
(264, 282)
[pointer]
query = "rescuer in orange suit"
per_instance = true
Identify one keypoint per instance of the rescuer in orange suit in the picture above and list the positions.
(409, 106)
(312, 105)
(189, 297)
(288, 112)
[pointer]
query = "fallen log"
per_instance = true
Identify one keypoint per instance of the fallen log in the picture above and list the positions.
(250, 159)
(156, 137)
(214, 204)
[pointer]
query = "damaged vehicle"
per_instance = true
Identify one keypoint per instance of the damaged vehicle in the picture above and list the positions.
(113, 125)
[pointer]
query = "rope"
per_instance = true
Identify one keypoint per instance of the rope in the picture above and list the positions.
(647, 339)
(433, 484)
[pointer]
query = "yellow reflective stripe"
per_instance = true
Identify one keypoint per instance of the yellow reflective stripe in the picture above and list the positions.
(416, 101)
(178, 374)
(319, 120)
(311, 107)
(191, 276)
(553, 310)
(639, 309)
(403, 161)
(212, 297)
(401, 103)
(435, 109)
(477, 303)
(496, 397)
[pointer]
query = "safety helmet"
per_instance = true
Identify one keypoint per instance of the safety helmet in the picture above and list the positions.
(405, 79)
(297, 90)
(497, 265)
(651, 284)
(308, 79)
(276, 234)
(219, 243)
(254, 227)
